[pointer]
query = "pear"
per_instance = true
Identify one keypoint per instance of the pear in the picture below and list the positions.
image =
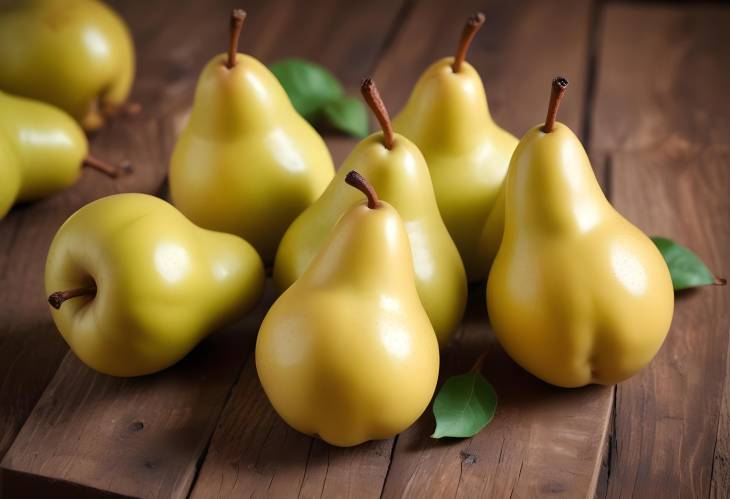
(397, 170)
(447, 117)
(347, 352)
(246, 163)
(44, 150)
(75, 54)
(9, 175)
(576, 294)
(134, 286)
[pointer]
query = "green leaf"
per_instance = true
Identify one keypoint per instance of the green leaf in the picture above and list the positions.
(308, 85)
(686, 269)
(464, 405)
(346, 115)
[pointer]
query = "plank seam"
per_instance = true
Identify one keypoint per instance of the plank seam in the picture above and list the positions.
(214, 426)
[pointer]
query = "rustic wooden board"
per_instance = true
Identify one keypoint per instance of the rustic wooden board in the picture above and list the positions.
(537, 426)
(662, 119)
(144, 437)
(543, 440)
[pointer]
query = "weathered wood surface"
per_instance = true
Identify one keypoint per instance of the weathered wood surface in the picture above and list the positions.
(657, 129)
(144, 437)
(661, 118)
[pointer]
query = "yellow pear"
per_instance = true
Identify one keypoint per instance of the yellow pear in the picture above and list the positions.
(133, 285)
(447, 117)
(246, 163)
(577, 294)
(397, 170)
(347, 352)
(75, 54)
(43, 150)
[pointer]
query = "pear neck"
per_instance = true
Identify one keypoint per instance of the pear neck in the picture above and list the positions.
(551, 185)
(447, 111)
(245, 99)
(368, 250)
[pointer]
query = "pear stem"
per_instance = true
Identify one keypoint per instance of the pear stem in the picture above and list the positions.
(477, 367)
(56, 299)
(556, 95)
(107, 168)
(359, 182)
(375, 102)
(470, 29)
(237, 18)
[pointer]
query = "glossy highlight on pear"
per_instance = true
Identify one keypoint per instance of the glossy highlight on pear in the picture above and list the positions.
(133, 285)
(246, 162)
(448, 119)
(396, 169)
(576, 294)
(77, 55)
(42, 151)
(347, 353)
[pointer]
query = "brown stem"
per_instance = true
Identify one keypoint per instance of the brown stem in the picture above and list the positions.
(720, 281)
(556, 95)
(107, 168)
(477, 367)
(57, 298)
(237, 18)
(359, 182)
(372, 97)
(470, 29)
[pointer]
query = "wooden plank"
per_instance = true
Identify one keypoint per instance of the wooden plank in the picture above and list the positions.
(543, 440)
(144, 437)
(661, 115)
(30, 347)
(253, 451)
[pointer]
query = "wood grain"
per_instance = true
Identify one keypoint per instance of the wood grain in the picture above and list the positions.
(661, 117)
(144, 437)
(543, 440)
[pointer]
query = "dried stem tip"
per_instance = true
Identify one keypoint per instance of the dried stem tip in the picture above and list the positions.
(107, 168)
(470, 29)
(556, 95)
(358, 182)
(372, 97)
(57, 298)
(237, 18)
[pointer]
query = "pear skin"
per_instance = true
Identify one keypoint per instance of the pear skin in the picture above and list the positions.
(246, 163)
(9, 175)
(48, 145)
(137, 285)
(347, 353)
(576, 294)
(75, 54)
(467, 153)
(400, 175)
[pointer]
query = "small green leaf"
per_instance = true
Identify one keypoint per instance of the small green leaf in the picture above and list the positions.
(464, 405)
(308, 85)
(686, 269)
(346, 115)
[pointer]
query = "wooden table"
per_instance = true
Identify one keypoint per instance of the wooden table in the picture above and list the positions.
(648, 96)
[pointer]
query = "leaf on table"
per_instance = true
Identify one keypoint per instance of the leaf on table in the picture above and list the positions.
(317, 95)
(346, 115)
(686, 268)
(464, 405)
(308, 85)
